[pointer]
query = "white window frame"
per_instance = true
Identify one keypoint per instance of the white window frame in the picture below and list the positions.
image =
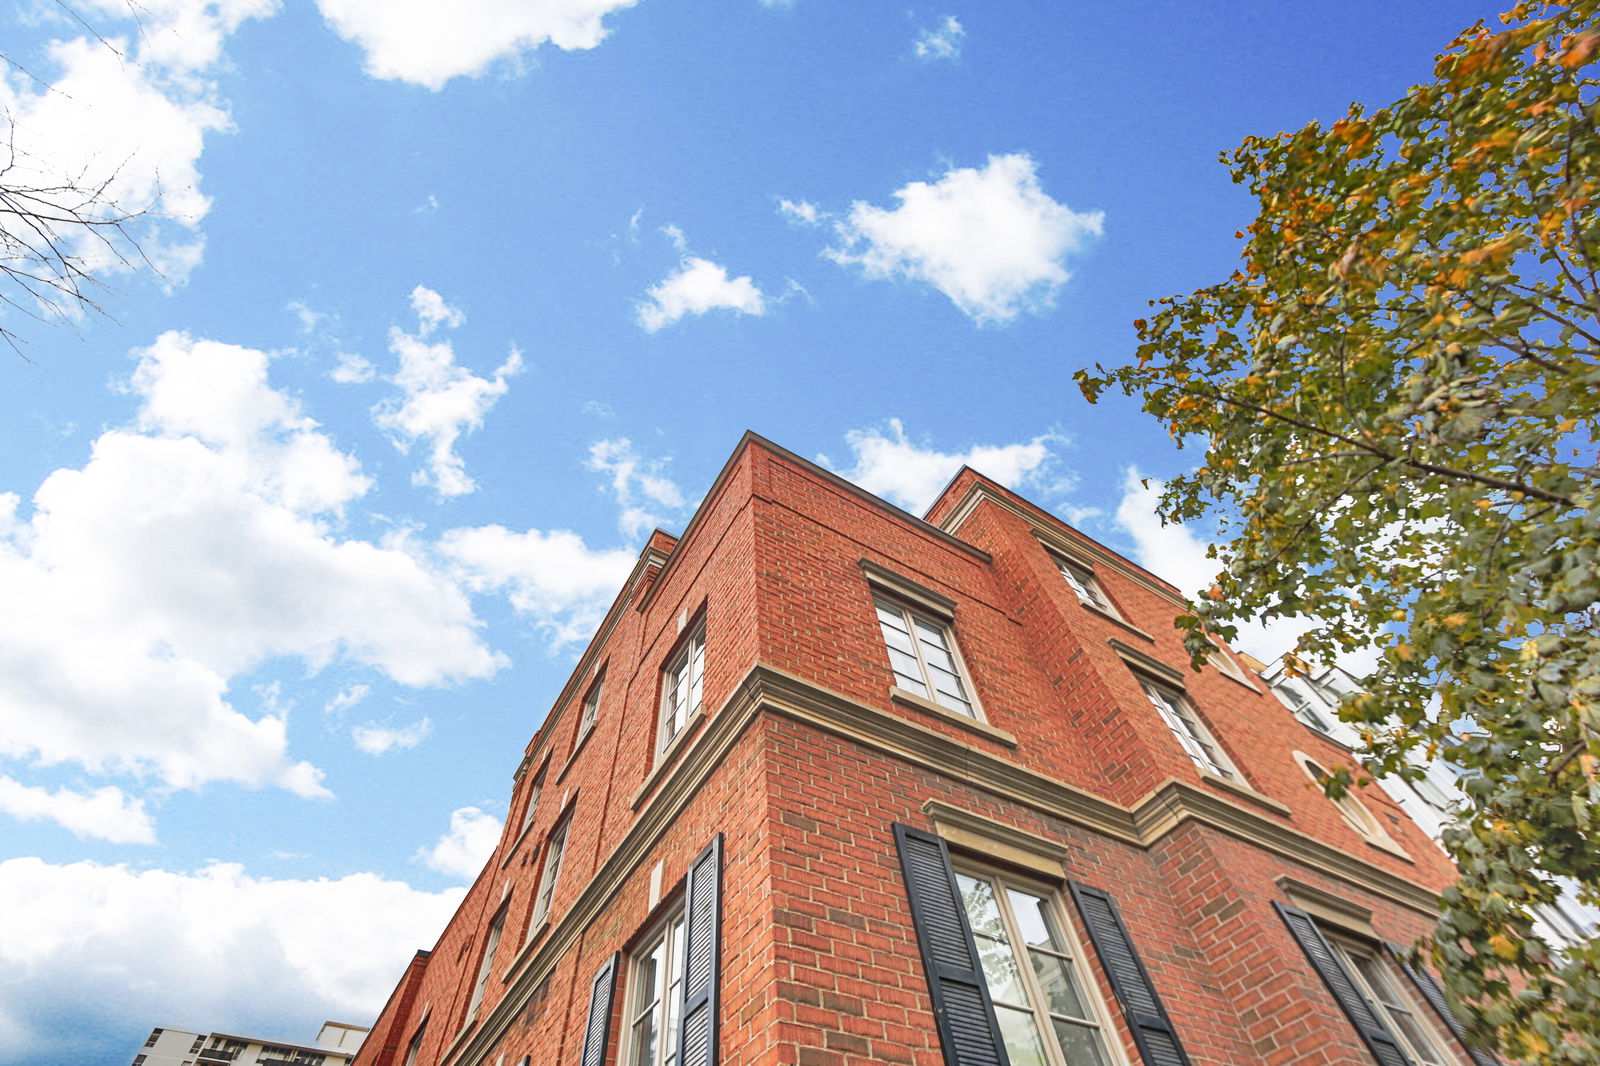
(1082, 580)
(1070, 951)
(1393, 1003)
(945, 628)
(662, 1011)
(684, 674)
(555, 850)
(531, 808)
(415, 1046)
(591, 704)
(1351, 809)
(1190, 730)
(490, 945)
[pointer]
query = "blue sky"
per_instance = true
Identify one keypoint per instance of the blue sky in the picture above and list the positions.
(447, 305)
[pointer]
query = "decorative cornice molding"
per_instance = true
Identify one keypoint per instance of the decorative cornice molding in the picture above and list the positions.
(765, 689)
(1082, 550)
(1325, 906)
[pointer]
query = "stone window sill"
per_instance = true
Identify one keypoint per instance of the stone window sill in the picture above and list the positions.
(945, 714)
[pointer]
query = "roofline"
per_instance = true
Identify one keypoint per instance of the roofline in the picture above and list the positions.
(751, 437)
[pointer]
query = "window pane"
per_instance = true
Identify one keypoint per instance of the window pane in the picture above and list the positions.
(1000, 971)
(1021, 1035)
(983, 914)
(1080, 1044)
(1059, 983)
(1034, 921)
(644, 1041)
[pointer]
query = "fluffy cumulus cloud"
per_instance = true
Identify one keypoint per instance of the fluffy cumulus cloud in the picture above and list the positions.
(553, 577)
(127, 114)
(439, 400)
(92, 955)
(891, 465)
(941, 41)
(1176, 553)
(990, 239)
(103, 814)
(646, 495)
(192, 547)
(375, 739)
(696, 287)
(428, 43)
(465, 846)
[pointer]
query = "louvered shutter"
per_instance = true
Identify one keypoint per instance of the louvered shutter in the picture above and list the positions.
(1152, 1028)
(965, 1016)
(697, 1032)
(596, 1033)
(1434, 994)
(1362, 1014)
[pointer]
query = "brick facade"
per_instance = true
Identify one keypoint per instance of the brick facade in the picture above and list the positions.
(803, 754)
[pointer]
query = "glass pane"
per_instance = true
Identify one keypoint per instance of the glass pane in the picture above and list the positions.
(1000, 971)
(1080, 1044)
(1060, 984)
(1021, 1036)
(983, 913)
(906, 665)
(894, 635)
(1034, 921)
(955, 703)
(647, 987)
(644, 1041)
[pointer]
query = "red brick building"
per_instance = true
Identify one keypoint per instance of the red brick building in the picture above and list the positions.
(833, 784)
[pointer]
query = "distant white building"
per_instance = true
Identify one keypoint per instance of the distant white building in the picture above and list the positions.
(337, 1043)
(1432, 800)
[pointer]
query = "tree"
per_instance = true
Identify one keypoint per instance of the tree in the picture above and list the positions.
(1397, 393)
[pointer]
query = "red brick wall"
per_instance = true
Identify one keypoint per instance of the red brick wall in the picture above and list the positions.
(820, 966)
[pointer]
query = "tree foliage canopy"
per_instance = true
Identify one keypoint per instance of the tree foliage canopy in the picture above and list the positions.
(1398, 391)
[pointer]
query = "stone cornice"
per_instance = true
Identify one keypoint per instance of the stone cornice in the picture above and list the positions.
(764, 689)
(1080, 550)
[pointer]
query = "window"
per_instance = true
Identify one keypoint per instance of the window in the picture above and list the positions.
(138, 1060)
(1083, 582)
(490, 942)
(680, 687)
(591, 705)
(415, 1045)
(1377, 981)
(923, 657)
(532, 807)
(552, 870)
(655, 995)
(1352, 810)
(155, 1034)
(1180, 717)
(1301, 707)
(1041, 1000)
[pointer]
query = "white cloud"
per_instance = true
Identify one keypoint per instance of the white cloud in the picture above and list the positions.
(375, 739)
(104, 814)
(801, 211)
(940, 42)
(427, 43)
(130, 119)
(440, 400)
(347, 698)
(353, 370)
(646, 495)
(465, 846)
(555, 578)
(696, 287)
(907, 474)
(1172, 551)
(101, 952)
(991, 240)
(188, 551)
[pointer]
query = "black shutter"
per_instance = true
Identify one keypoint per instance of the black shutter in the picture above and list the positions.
(596, 1033)
(1152, 1028)
(702, 922)
(967, 1027)
(1434, 994)
(1362, 1014)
